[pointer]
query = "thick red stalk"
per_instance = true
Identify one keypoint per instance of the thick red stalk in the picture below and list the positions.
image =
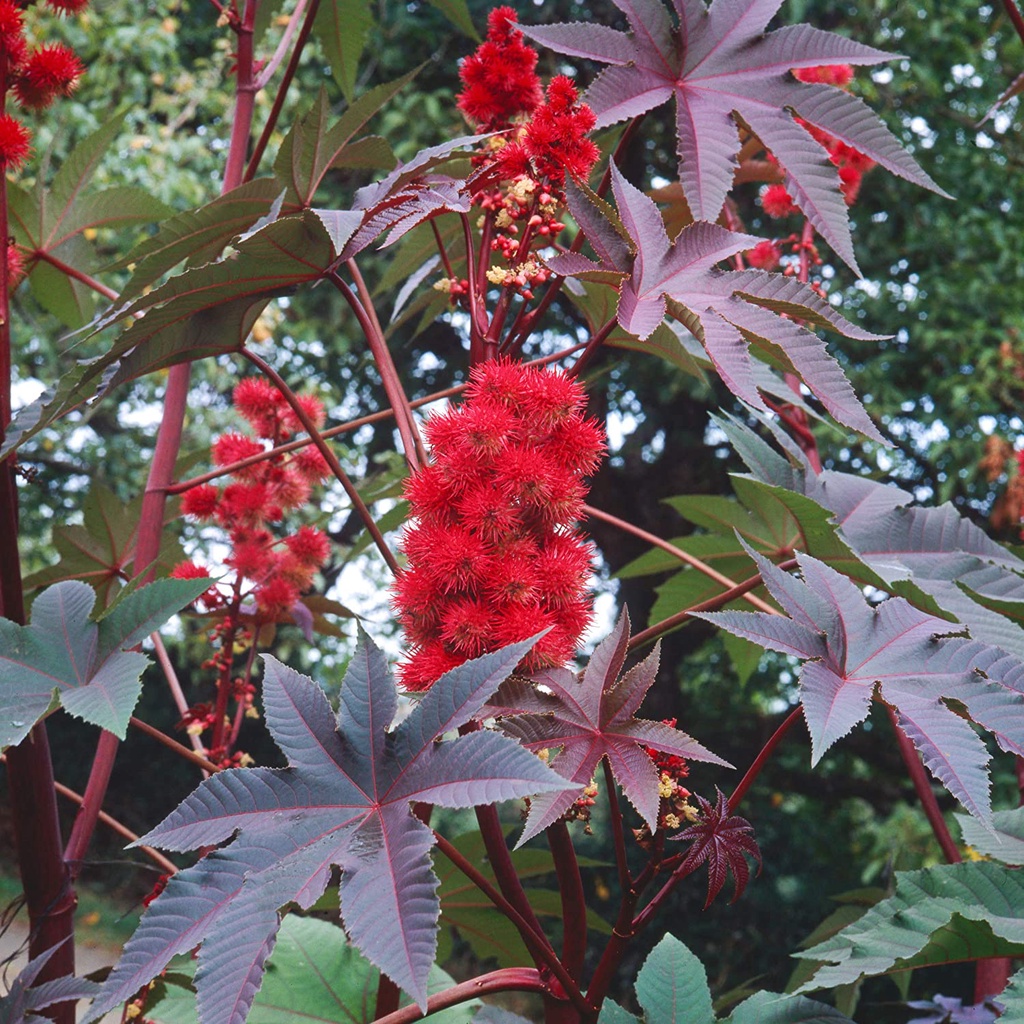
(535, 940)
(49, 893)
(89, 811)
(574, 902)
(618, 835)
(766, 752)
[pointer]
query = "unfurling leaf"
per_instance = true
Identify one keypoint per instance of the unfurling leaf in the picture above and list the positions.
(590, 718)
(344, 800)
(720, 840)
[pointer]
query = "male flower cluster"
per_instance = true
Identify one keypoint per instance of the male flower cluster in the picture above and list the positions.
(493, 554)
(851, 164)
(279, 569)
(544, 137)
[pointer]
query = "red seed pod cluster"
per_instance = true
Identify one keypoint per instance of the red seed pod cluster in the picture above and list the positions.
(493, 552)
(278, 569)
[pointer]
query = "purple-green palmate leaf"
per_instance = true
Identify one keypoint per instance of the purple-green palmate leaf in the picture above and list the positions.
(724, 72)
(727, 310)
(62, 658)
(591, 717)
(851, 649)
(343, 801)
(24, 997)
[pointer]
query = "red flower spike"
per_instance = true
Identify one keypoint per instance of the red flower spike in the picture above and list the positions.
(764, 256)
(500, 79)
(310, 464)
(258, 401)
(276, 596)
(189, 571)
(12, 34)
(826, 74)
(245, 505)
(721, 840)
(250, 556)
(489, 515)
(200, 502)
(310, 405)
(14, 142)
(48, 72)
(15, 265)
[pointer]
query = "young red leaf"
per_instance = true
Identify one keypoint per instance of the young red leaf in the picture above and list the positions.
(724, 71)
(720, 840)
(344, 800)
(727, 310)
(591, 718)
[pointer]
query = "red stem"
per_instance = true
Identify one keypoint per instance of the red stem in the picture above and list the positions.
(415, 453)
(328, 453)
(282, 92)
(387, 996)
(47, 884)
(508, 979)
(618, 836)
(766, 752)
(595, 342)
(574, 902)
(535, 940)
(710, 605)
(171, 744)
(89, 810)
(245, 99)
(1017, 19)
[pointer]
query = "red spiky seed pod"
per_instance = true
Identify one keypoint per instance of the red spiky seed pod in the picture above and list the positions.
(48, 72)
(15, 142)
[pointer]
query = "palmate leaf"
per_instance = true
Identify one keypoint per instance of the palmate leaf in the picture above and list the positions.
(62, 658)
(102, 549)
(589, 718)
(938, 915)
(850, 648)
(344, 800)
(727, 310)
(672, 988)
(724, 72)
(24, 998)
(932, 556)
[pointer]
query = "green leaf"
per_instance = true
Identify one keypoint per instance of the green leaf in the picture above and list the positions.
(487, 931)
(1012, 998)
(313, 975)
(101, 551)
(66, 298)
(63, 658)
(342, 27)
(310, 149)
(1005, 842)
(672, 986)
(938, 915)
(110, 208)
(457, 12)
(612, 1013)
(199, 235)
(772, 1008)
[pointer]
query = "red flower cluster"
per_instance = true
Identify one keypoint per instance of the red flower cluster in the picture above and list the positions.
(36, 76)
(500, 79)
(764, 256)
(259, 494)
(554, 140)
(852, 164)
(493, 556)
